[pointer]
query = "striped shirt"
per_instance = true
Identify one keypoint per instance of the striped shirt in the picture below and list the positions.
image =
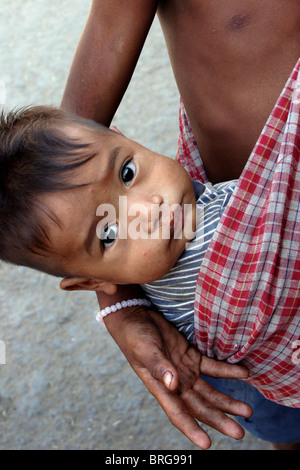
(174, 294)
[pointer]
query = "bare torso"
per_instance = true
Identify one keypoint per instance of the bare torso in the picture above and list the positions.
(231, 60)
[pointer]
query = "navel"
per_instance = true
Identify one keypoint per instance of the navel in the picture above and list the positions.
(238, 22)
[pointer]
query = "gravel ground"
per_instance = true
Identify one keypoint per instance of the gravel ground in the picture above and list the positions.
(65, 385)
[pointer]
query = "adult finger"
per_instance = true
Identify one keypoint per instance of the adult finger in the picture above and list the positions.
(207, 411)
(220, 401)
(178, 414)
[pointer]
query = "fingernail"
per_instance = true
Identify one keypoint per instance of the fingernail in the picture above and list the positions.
(167, 378)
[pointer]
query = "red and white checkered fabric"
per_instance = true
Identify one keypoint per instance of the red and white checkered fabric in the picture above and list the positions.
(247, 305)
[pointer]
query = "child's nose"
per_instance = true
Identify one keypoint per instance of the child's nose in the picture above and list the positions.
(148, 201)
(157, 199)
(147, 209)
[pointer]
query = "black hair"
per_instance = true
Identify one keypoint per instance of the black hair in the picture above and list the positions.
(36, 157)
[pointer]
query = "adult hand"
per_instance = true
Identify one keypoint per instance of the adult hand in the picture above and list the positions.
(170, 368)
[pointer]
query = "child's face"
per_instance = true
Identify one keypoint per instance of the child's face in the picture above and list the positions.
(111, 229)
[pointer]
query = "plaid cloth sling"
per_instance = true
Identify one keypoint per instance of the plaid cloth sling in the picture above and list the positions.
(247, 305)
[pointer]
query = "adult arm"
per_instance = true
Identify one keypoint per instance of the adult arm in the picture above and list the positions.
(106, 56)
(170, 368)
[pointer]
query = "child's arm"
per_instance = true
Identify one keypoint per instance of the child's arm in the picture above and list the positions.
(106, 56)
(170, 368)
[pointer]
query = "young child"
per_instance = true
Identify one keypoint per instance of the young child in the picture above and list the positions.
(83, 202)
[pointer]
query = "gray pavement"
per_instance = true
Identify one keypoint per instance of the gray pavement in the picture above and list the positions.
(65, 384)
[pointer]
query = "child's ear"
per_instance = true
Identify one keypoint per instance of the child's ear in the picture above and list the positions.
(73, 283)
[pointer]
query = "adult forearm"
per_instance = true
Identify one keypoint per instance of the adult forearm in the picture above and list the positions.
(106, 56)
(124, 292)
(90, 78)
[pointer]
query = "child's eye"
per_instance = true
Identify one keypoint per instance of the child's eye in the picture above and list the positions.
(109, 235)
(128, 172)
